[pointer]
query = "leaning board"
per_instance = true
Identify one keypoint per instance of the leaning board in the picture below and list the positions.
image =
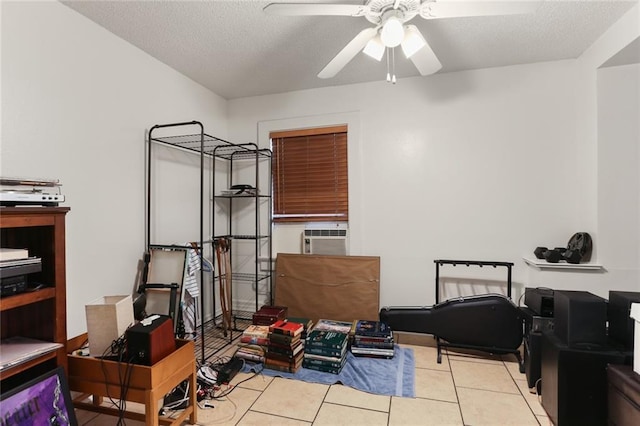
(343, 288)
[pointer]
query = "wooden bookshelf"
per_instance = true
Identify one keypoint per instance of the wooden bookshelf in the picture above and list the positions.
(38, 314)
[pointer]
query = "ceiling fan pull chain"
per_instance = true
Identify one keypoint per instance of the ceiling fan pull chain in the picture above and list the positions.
(393, 64)
(388, 73)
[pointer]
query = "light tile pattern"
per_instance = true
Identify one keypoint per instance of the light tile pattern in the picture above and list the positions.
(464, 389)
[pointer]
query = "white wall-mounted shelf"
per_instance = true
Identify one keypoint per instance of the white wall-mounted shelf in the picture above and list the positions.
(563, 265)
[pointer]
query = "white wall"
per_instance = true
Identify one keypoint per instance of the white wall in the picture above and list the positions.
(472, 165)
(619, 173)
(76, 104)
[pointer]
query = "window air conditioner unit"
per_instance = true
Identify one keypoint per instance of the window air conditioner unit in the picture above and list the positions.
(325, 241)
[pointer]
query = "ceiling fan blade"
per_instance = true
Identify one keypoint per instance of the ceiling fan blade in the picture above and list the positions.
(426, 61)
(306, 9)
(348, 52)
(461, 8)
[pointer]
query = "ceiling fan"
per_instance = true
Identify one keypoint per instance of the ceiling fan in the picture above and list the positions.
(390, 28)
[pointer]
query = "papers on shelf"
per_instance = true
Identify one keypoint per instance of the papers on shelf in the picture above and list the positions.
(16, 350)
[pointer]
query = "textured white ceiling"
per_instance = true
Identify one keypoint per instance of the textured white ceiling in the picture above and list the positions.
(236, 50)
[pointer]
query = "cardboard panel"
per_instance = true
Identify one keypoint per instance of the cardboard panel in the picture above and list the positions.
(342, 288)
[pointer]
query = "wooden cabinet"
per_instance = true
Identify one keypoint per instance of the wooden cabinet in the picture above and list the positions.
(38, 314)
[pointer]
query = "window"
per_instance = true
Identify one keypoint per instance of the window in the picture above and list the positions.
(310, 175)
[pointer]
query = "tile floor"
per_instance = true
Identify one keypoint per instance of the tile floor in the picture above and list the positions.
(464, 389)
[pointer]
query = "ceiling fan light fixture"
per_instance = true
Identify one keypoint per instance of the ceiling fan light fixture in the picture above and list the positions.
(392, 32)
(375, 48)
(413, 41)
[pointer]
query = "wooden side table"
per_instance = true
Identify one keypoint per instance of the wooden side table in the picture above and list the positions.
(147, 384)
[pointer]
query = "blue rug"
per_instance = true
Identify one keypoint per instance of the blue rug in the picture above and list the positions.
(395, 376)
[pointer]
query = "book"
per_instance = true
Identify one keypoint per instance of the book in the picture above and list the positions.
(367, 328)
(322, 363)
(333, 325)
(324, 357)
(285, 350)
(13, 254)
(254, 330)
(283, 339)
(286, 327)
(307, 323)
(285, 369)
(292, 359)
(385, 353)
(378, 345)
(326, 339)
(249, 356)
(361, 339)
(323, 368)
(275, 364)
(252, 340)
(330, 352)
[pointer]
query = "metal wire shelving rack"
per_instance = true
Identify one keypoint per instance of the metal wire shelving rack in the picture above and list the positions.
(219, 152)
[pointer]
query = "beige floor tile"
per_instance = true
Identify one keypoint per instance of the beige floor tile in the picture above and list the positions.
(433, 384)
(427, 357)
(252, 418)
(345, 395)
(291, 398)
(476, 375)
(511, 362)
(482, 407)
(544, 420)
(532, 399)
(418, 411)
(252, 381)
(336, 415)
(229, 409)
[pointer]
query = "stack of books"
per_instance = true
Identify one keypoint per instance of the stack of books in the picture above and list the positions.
(285, 349)
(253, 343)
(326, 346)
(372, 339)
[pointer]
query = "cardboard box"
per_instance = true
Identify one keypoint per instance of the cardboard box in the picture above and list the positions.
(635, 314)
(107, 319)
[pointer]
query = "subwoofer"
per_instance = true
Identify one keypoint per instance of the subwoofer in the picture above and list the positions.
(574, 382)
(580, 318)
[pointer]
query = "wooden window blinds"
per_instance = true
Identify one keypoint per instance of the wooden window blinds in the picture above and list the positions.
(310, 175)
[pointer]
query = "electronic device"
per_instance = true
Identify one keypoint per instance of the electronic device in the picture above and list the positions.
(30, 198)
(534, 326)
(574, 382)
(13, 285)
(539, 300)
(15, 191)
(150, 340)
(580, 318)
(229, 370)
